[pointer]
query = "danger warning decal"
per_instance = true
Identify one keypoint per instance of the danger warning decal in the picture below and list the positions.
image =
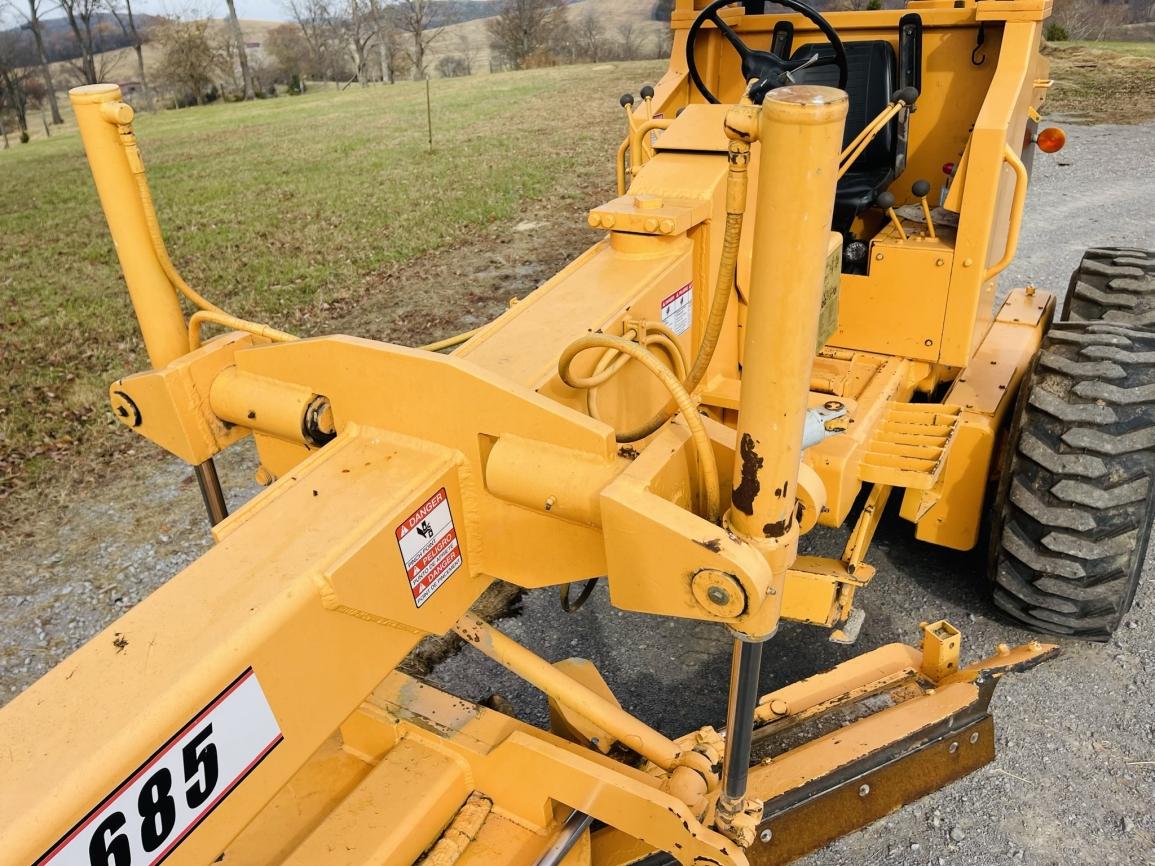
(678, 309)
(429, 546)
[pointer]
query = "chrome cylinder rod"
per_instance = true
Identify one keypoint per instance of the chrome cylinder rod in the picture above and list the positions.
(570, 832)
(210, 485)
(744, 669)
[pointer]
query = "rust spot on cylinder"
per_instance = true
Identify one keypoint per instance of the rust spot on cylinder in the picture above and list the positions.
(745, 493)
(776, 530)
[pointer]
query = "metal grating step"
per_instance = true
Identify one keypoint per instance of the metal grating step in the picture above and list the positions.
(909, 446)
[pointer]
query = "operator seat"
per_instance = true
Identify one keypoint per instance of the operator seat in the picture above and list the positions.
(873, 76)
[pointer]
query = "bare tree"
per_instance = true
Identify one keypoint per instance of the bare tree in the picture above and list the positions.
(290, 54)
(242, 56)
(14, 73)
(322, 33)
(32, 22)
(190, 57)
(1088, 19)
(385, 41)
(79, 14)
(628, 41)
(590, 37)
(523, 31)
(361, 30)
(127, 22)
(466, 50)
(415, 20)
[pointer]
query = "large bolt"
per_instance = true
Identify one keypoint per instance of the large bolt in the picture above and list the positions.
(718, 595)
(766, 836)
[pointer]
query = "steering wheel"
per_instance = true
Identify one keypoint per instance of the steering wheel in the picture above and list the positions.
(768, 68)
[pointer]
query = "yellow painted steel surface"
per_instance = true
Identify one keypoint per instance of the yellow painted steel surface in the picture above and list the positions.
(276, 650)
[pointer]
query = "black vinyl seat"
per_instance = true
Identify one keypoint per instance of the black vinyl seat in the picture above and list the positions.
(871, 81)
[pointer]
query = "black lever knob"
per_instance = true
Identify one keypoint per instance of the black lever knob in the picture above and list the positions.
(647, 91)
(626, 100)
(921, 188)
(909, 95)
(885, 200)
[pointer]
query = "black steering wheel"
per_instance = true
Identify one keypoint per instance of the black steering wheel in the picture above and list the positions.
(767, 68)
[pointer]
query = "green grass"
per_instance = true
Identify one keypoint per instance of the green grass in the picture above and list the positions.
(1133, 49)
(1111, 82)
(269, 208)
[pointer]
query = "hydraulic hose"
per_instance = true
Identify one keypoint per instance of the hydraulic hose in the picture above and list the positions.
(723, 288)
(207, 311)
(200, 317)
(161, 251)
(708, 465)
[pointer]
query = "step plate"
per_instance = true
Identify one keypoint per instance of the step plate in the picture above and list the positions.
(909, 447)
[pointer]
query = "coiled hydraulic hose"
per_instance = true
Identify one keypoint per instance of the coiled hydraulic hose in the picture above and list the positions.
(736, 181)
(684, 403)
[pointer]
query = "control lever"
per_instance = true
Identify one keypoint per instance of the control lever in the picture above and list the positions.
(627, 102)
(921, 188)
(885, 201)
(648, 95)
(810, 61)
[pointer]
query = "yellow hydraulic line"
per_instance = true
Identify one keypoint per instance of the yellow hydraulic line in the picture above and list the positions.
(535, 670)
(707, 463)
(200, 317)
(741, 125)
(450, 342)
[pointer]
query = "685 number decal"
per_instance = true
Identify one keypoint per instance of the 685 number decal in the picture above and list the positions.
(154, 809)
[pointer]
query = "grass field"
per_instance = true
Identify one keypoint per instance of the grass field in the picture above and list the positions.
(327, 212)
(297, 211)
(1103, 81)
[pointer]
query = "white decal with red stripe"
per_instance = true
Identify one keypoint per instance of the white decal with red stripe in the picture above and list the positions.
(155, 809)
(429, 546)
(678, 309)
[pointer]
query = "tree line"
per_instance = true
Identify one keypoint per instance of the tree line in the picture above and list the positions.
(196, 59)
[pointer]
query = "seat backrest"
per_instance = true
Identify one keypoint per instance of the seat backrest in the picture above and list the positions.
(872, 78)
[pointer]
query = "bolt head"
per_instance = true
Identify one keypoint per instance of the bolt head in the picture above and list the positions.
(974, 737)
(766, 836)
(718, 595)
(953, 748)
(864, 790)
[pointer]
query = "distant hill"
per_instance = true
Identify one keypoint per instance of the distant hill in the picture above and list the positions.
(60, 44)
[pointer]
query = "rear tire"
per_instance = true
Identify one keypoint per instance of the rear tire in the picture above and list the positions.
(1113, 284)
(1076, 498)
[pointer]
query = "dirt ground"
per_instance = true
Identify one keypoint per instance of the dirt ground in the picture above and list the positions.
(1075, 779)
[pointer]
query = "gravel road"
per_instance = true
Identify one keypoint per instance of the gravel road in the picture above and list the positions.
(1074, 782)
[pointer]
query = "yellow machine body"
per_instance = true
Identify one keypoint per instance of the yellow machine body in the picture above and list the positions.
(281, 642)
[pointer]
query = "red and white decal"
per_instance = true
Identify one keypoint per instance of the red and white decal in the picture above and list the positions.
(155, 809)
(429, 546)
(678, 309)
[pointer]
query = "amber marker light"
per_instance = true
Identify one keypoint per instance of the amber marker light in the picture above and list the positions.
(1051, 139)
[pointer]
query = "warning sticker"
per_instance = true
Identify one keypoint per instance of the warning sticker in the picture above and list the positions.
(678, 309)
(429, 546)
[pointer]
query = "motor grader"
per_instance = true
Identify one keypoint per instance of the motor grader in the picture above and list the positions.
(791, 314)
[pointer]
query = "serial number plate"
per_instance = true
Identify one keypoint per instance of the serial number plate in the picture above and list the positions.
(154, 810)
